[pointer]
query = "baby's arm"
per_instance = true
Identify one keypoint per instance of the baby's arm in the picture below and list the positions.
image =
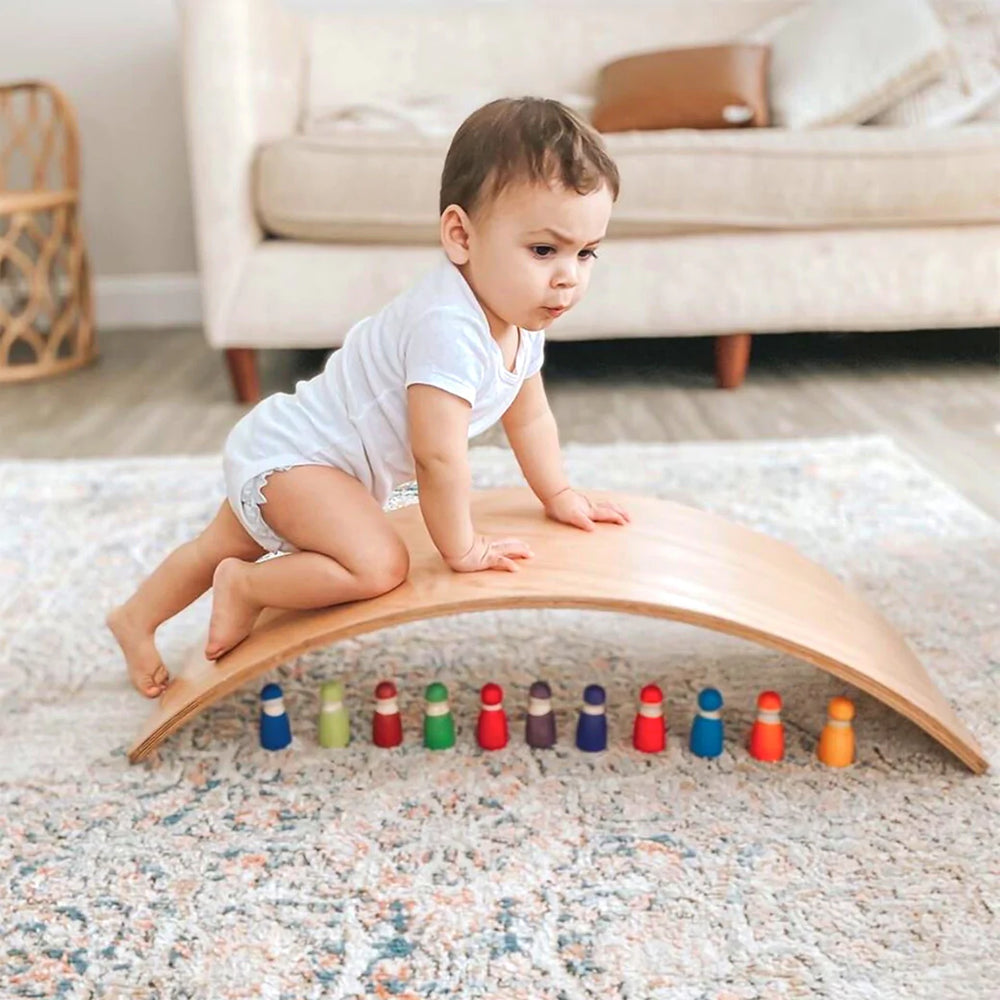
(534, 438)
(439, 438)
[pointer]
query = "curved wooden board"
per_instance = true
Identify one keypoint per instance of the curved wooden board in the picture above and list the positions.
(672, 562)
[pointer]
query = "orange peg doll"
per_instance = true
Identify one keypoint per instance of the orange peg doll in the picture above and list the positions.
(836, 742)
(767, 736)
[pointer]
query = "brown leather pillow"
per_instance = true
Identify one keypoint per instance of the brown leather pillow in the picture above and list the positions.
(714, 86)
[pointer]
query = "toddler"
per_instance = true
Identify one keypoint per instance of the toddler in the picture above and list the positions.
(526, 194)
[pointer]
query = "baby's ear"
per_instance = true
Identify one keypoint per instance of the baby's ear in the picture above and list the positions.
(455, 234)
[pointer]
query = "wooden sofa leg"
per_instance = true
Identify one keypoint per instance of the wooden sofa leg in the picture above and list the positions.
(242, 363)
(732, 354)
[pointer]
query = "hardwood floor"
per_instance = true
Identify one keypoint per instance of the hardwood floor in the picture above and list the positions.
(936, 393)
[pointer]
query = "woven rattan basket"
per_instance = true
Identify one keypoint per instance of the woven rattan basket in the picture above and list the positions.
(46, 310)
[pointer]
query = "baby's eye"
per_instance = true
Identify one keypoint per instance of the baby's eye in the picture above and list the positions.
(543, 251)
(588, 255)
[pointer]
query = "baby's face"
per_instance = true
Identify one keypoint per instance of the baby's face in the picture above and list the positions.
(531, 253)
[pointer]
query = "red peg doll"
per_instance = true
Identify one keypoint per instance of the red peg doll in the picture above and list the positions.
(491, 731)
(387, 725)
(649, 734)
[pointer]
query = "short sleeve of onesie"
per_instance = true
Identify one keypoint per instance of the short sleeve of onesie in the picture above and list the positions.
(445, 348)
(536, 354)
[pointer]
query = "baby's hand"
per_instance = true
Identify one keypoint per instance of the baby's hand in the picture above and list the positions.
(498, 553)
(574, 508)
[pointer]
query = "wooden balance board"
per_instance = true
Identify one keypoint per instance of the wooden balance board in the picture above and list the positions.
(671, 562)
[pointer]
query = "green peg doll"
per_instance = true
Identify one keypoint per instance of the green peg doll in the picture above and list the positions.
(334, 725)
(439, 726)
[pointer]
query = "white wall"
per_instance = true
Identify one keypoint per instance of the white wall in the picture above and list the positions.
(118, 63)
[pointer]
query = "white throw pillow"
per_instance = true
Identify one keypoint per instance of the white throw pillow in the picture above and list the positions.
(971, 82)
(431, 115)
(839, 62)
(437, 114)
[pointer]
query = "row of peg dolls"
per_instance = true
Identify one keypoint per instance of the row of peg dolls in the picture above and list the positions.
(766, 740)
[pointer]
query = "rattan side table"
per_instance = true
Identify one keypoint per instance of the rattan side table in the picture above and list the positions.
(46, 308)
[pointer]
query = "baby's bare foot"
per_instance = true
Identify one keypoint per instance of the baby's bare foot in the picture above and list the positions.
(145, 668)
(233, 613)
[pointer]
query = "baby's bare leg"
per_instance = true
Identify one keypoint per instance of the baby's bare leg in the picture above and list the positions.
(178, 581)
(349, 551)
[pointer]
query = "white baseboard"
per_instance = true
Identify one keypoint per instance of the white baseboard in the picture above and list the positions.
(148, 301)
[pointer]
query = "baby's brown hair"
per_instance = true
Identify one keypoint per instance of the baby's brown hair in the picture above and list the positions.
(532, 139)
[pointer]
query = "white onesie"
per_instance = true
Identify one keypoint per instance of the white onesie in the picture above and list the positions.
(352, 415)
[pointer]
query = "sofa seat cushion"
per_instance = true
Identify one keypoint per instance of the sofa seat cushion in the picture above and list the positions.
(383, 187)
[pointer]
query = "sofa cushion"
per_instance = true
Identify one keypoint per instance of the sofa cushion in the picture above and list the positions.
(357, 53)
(384, 188)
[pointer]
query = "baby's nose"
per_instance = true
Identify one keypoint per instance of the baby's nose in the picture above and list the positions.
(567, 276)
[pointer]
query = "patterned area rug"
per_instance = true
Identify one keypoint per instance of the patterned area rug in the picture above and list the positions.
(221, 870)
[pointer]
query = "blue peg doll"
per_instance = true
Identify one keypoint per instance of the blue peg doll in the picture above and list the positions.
(592, 726)
(707, 729)
(275, 731)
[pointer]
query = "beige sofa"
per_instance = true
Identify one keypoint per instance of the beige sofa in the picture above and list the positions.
(302, 229)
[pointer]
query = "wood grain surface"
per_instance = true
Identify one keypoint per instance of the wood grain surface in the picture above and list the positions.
(672, 562)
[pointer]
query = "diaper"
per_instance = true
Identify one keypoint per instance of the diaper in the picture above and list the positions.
(247, 510)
